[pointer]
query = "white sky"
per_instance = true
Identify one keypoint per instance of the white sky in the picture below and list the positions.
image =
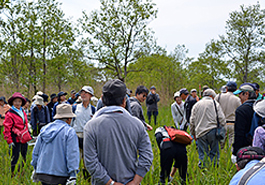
(190, 22)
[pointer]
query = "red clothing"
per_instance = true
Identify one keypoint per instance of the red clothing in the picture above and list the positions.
(12, 119)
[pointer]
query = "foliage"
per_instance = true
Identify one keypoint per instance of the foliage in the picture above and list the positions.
(244, 42)
(162, 70)
(208, 176)
(210, 68)
(118, 33)
(37, 47)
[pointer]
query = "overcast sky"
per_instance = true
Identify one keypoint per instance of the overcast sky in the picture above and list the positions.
(189, 22)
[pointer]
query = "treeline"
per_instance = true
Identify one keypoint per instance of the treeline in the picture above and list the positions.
(40, 49)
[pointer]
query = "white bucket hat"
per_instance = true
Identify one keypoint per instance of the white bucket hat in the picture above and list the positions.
(39, 100)
(64, 111)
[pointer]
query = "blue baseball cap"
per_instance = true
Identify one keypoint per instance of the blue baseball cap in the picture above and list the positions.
(231, 84)
(245, 87)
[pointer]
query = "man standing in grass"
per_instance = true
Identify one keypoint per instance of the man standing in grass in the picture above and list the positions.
(137, 111)
(151, 103)
(203, 124)
(117, 148)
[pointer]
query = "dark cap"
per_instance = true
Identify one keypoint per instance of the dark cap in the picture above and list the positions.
(153, 87)
(114, 88)
(45, 97)
(61, 93)
(73, 91)
(231, 84)
(2, 98)
(256, 86)
(52, 96)
(183, 91)
(250, 153)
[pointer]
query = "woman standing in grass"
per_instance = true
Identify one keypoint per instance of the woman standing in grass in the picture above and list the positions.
(16, 121)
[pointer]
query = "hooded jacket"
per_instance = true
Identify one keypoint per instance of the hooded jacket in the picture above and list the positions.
(13, 119)
(56, 151)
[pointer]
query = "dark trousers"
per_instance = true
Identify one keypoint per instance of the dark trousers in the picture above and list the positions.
(150, 113)
(18, 148)
(169, 152)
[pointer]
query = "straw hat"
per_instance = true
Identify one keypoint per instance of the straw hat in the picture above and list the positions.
(39, 100)
(64, 111)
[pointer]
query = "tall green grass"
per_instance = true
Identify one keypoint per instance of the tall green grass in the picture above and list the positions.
(211, 175)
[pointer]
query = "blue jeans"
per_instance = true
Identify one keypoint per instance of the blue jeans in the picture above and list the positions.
(150, 113)
(209, 145)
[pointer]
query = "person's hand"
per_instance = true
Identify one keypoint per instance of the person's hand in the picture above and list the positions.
(153, 91)
(71, 181)
(11, 145)
(149, 127)
(233, 158)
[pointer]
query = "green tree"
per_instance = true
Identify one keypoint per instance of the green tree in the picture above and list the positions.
(244, 42)
(162, 70)
(210, 68)
(118, 33)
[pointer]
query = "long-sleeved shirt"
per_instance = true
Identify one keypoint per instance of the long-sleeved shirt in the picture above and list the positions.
(137, 110)
(259, 137)
(244, 115)
(151, 101)
(83, 115)
(116, 146)
(203, 117)
(39, 116)
(177, 112)
(229, 103)
(56, 151)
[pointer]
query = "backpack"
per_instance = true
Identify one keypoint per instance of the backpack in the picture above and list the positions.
(178, 136)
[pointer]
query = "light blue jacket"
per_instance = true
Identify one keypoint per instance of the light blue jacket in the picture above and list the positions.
(56, 151)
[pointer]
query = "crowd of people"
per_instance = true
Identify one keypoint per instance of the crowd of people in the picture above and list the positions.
(109, 135)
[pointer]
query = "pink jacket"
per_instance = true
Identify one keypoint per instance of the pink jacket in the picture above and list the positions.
(12, 119)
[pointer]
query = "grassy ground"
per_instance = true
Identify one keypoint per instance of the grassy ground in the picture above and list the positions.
(209, 176)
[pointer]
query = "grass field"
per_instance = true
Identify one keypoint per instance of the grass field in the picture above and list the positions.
(209, 176)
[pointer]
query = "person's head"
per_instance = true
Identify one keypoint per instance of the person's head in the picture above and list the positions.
(177, 97)
(54, 98)
(141, 93)
(246, 154)
(73, 92)
(256, 88)
(246, 92)
(204, 88)
(231, 86)
(45, 98)
(183, 93)
(209, 92)
(39, 102)
(2, 100)
(153, 89)
(193, 93)
(61, 96)
(86, 93)
(64, 112)
(27, 103)
(17, 100)
(114, 93)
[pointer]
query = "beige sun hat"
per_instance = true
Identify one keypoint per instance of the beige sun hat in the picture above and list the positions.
(64, 111)
(39, 100)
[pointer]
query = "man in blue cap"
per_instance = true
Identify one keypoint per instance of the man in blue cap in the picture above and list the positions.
(244, 115)
(229, 103)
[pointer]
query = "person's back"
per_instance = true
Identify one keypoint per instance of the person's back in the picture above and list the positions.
(117, 149)
(229, 103)
(56, 142)
(109, 130)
